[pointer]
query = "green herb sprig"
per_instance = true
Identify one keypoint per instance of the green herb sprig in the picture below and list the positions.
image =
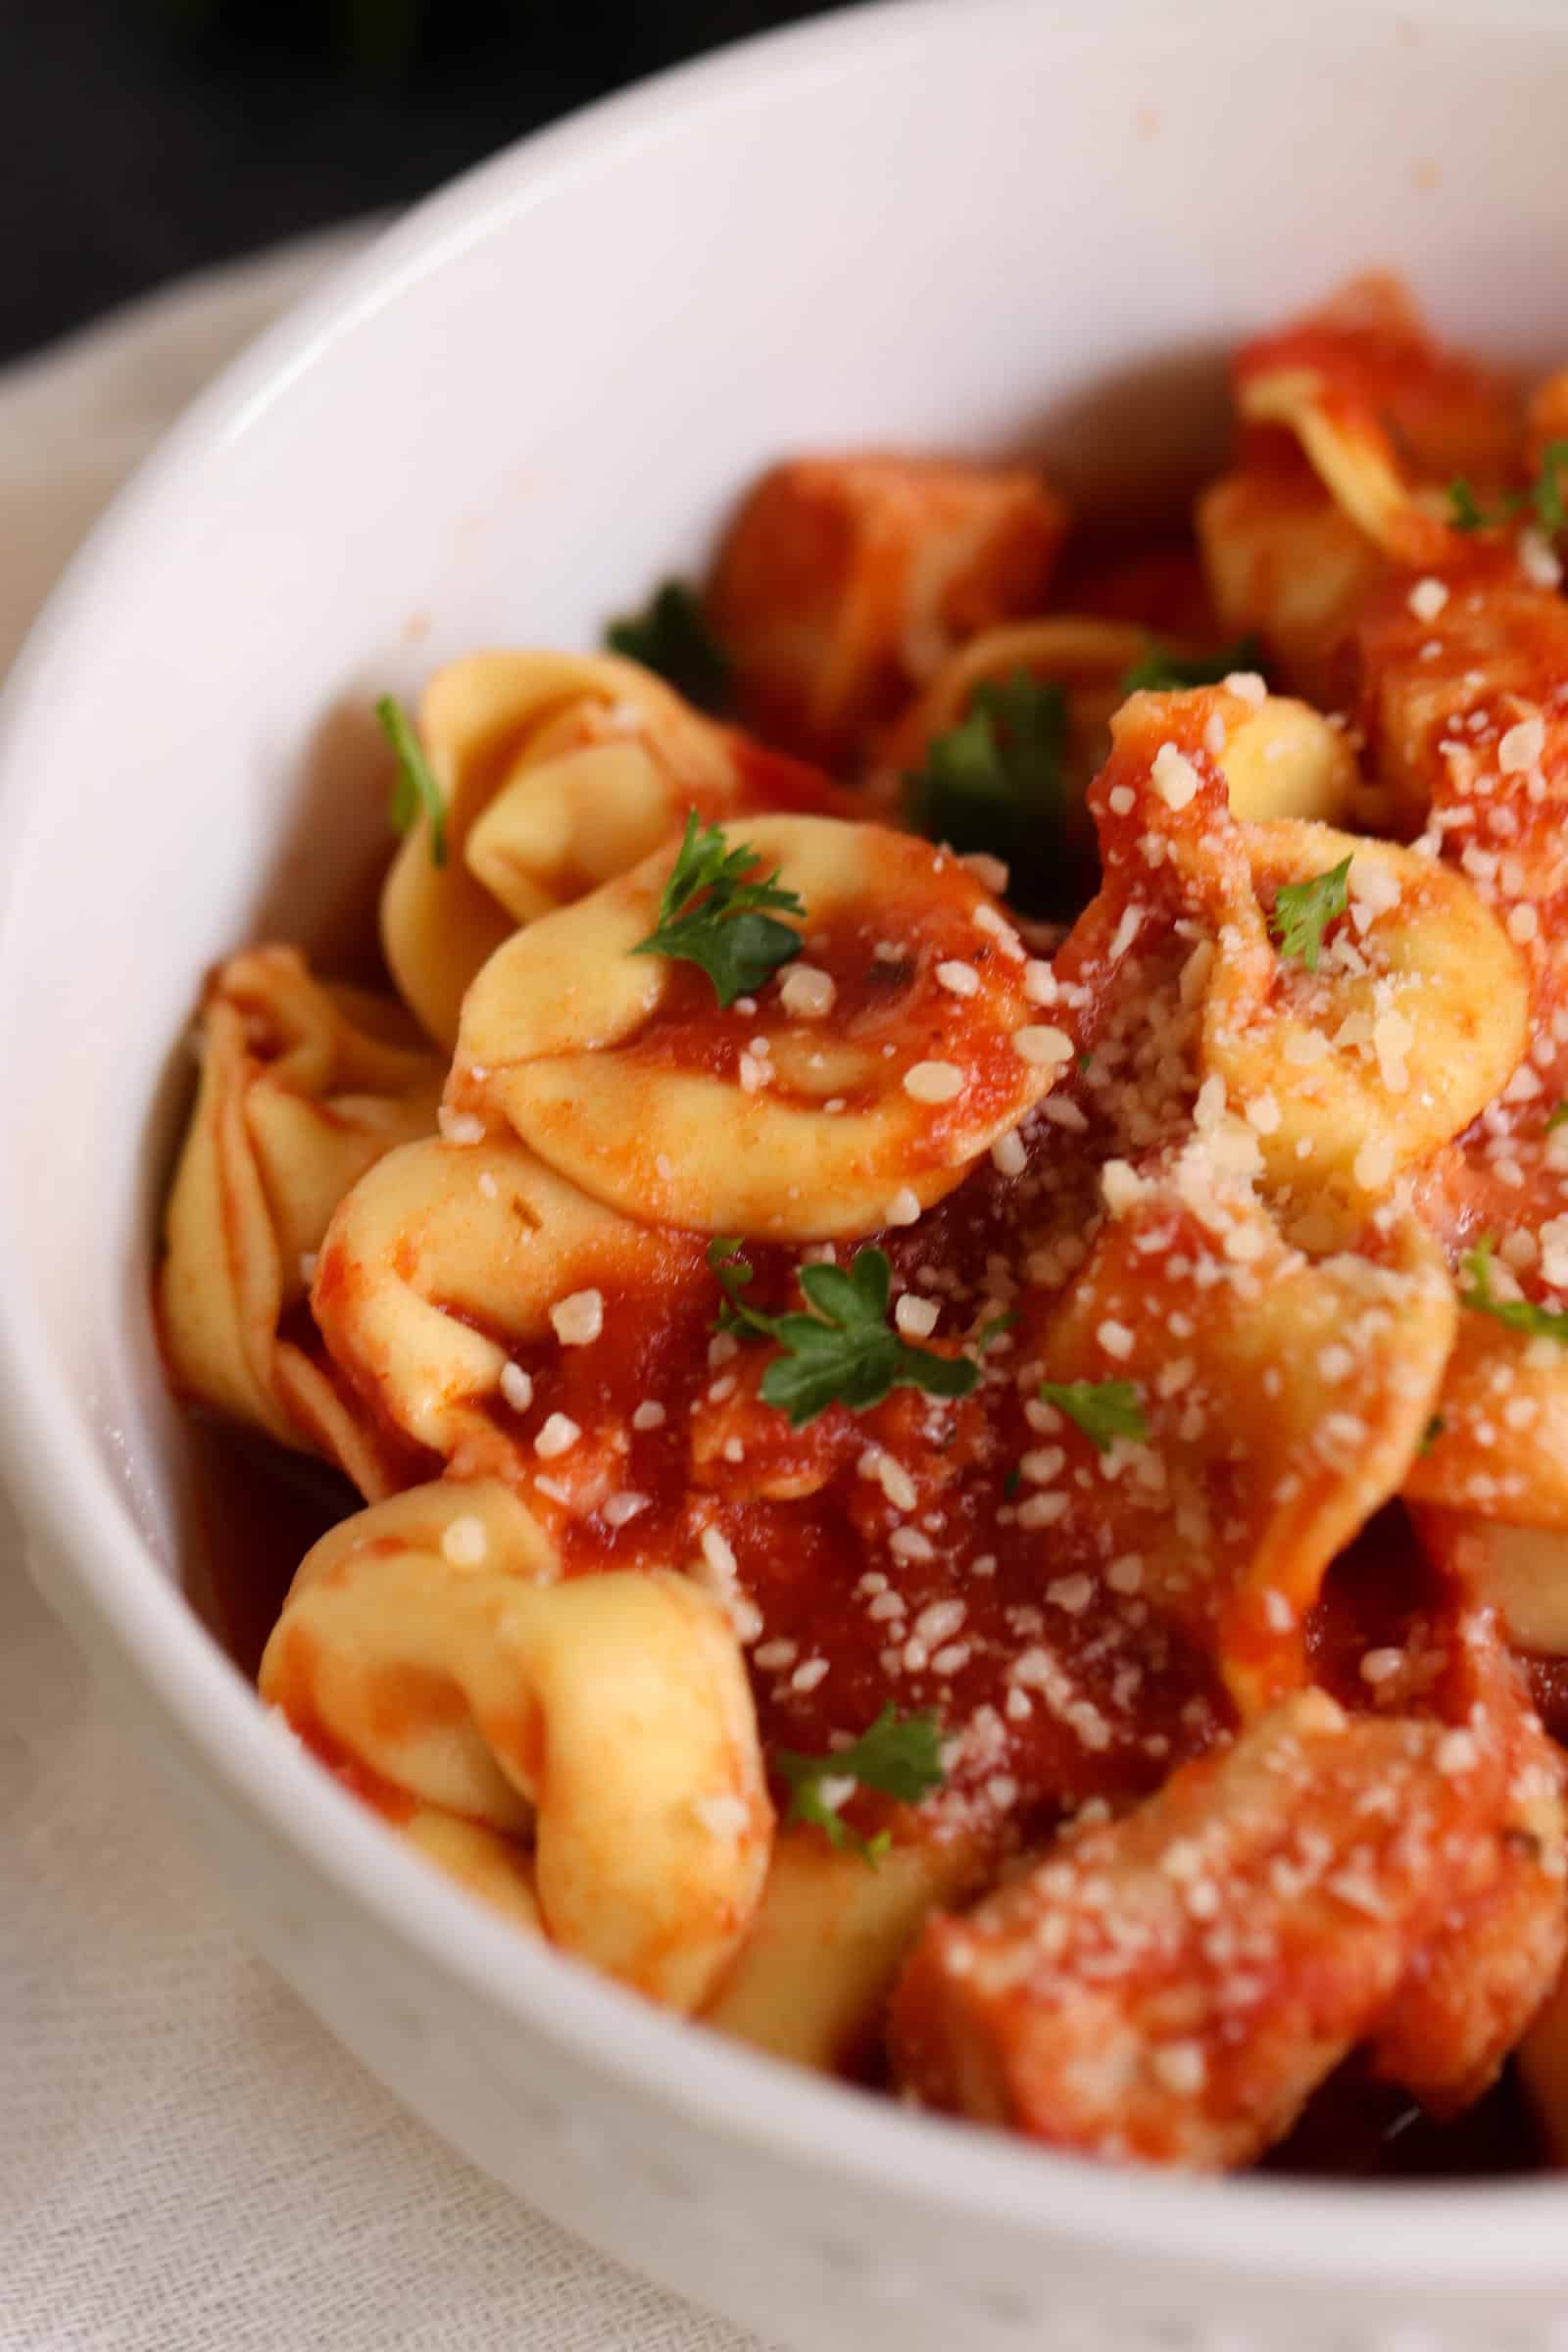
(843, 1352)
(710, 915)
(1518, 1314)
(1304, 911)
(1543, 498)
(415, 788)
(997, 781)
(1161, 669)
(672, 637)
(1104, 1409)
(900, 1756)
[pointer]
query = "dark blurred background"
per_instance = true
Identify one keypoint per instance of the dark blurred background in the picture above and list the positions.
(145, 137)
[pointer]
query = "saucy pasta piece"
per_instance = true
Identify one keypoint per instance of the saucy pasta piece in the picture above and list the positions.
(852, 1090)
(606, 1719)
(445, 1269)
(812, 1979)
(555, 772)
(842, 581)
(1172, 1986)
(303, 1087)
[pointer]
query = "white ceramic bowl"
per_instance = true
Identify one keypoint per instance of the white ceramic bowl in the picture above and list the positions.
(978, 223)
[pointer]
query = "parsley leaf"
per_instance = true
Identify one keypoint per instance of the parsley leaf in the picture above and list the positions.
(843, 1352)
(1518, 1314)
(1545, 498)
(712, 917)
(1434, 1430)
(899, 1757)
(1558, 1118)
(1302, 910)
(1104, 1409)
(1160, 667)
(671, 638)
(416, 788)
(997, 781)
(734, 1273)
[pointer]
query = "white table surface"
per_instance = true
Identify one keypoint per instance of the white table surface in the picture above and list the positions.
(187, 2161)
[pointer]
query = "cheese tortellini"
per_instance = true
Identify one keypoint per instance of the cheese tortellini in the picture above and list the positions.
(606, 1717)
(557, 773)
(303, 1087)
(854, 1091)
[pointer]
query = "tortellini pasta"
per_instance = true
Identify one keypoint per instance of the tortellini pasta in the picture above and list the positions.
(302, 1089)
(448, 1259)
(607, 1719)
(1409, 1025)
(859, 1081)
(557, 772)
(1291, 1411)
(812, 1979)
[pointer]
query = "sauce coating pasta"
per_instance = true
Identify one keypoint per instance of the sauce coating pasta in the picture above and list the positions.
(941, 1289)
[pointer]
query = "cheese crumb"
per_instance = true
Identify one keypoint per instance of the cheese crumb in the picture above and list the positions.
(904, 1209)
(958, 979)
(1042, 1045)
(933, 1081)
(1175, 778)
(579, 1319)
(1427, 599)
(558, 1435)
(807, 993)
(1008, 1154)
(1521, 748)
(1536, 560)
(1181, 2068)
(460, 1126)
(516, 1387)
(915, 1317)
(464, 1542)
(1374, 1163)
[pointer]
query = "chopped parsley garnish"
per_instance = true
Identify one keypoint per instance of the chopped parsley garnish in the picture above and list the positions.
(997, 781)
(1543, 498)
(1558, 1118)
(1434, 1430)
(1161, 669)
(1104, 1409)
(1519, 1314)
(1302, 911)
(672, 637)
(898, 1757)
(710, 915)
(734, 1273)
(843, 1352)
(416, 788)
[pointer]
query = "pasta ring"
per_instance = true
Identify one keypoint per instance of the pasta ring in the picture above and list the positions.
(609, 1717)
(758, 1120)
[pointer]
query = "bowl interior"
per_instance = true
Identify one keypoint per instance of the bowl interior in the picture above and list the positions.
(995, 227)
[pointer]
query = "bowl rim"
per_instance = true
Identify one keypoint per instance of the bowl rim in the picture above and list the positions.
(81, 1536)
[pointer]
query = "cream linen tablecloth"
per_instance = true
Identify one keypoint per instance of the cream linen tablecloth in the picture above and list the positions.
(187, 2163)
